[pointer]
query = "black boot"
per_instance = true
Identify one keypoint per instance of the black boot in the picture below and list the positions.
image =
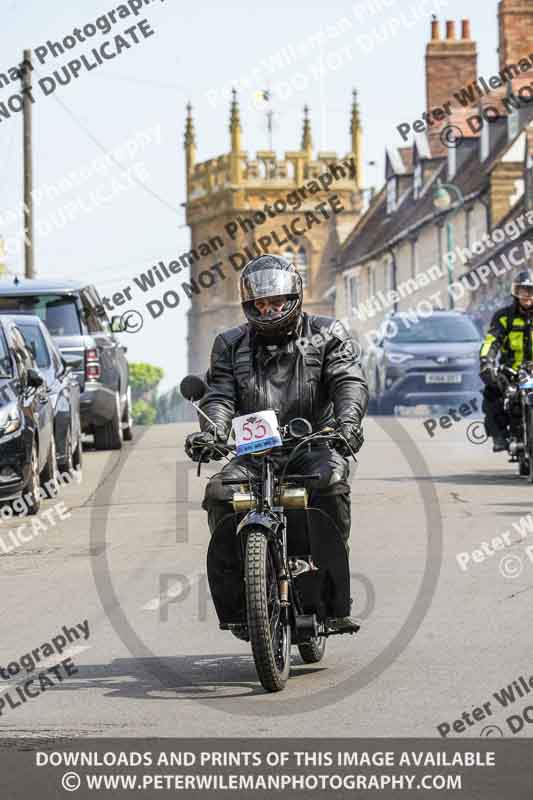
(499, 443)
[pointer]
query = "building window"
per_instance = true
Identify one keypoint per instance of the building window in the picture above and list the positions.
(371, 281)
(300, 262)
(299, 259)
(468, 225)
(391, 195)
(452, 160)
(513, 124)
(389, 273)
(414, 264)
(351, 293)
(417, 184)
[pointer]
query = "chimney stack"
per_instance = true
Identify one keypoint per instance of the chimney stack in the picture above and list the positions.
(450, 63)
(515, 22)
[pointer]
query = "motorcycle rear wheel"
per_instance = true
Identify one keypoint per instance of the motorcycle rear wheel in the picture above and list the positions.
(270, 637)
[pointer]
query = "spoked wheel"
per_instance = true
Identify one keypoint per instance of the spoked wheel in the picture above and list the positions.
(313, 651)
(269, 636)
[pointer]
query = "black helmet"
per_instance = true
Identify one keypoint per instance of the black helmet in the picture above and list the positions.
(524, 280)
(272, 276)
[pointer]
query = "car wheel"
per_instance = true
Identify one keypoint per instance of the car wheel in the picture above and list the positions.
(77, 457)
(109, 436)
(67, 464)
(32, 490)
(127, 419)
(49, 475)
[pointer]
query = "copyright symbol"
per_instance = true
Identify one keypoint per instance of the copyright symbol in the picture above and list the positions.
(451, 135)
(476, 433)
(491, 730)
(132, 321)
(71, 781)
(511, 566)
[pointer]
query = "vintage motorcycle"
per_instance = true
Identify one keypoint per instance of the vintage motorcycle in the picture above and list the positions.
(518, 405)
(286, 584)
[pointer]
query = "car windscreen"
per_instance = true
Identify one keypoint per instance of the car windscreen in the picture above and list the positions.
(35, 340)
(432, 330)
(58, 312)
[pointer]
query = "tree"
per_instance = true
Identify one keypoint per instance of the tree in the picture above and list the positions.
(143, 413)
(144, 380)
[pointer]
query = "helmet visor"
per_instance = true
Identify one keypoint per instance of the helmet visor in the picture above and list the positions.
(519, 289)
(269, 283)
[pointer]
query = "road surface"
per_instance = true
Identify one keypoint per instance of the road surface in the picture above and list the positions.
(445, 616)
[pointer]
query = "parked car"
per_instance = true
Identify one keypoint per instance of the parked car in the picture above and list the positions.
(63, 389)
(76, 318)
(432, 361)
(27, 452)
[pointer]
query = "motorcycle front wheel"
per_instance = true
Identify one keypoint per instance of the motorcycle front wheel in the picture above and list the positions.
(270, 637)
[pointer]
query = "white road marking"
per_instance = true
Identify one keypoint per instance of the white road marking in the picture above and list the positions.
(48, 662)
(173, 591)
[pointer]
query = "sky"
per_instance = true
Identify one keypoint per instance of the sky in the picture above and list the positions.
(109, 225)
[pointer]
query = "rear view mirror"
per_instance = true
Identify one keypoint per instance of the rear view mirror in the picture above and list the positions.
(35, 379)
(72, 361)
(193, 388)
(117, 325)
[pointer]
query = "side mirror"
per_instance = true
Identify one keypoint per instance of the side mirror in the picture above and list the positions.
(193, 388)
(72, 361)
(35, 379)
(117, 326)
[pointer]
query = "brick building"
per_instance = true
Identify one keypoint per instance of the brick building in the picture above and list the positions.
(397, 256)
(232, 188)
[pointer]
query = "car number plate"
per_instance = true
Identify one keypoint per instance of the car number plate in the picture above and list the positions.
(256, 432)
(444, 377)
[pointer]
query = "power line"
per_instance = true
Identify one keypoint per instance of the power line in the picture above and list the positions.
(105, 150)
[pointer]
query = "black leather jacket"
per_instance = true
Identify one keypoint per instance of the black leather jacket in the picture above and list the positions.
(322, 378)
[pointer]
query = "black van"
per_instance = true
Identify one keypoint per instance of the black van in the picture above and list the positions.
(74, 314)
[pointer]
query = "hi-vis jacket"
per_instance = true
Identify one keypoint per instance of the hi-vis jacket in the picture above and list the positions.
(509, 335)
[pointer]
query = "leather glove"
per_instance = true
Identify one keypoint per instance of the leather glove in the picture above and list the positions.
(353, 434)
(196, 444)
(488, 372)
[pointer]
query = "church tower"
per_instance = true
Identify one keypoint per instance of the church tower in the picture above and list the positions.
(239, 207)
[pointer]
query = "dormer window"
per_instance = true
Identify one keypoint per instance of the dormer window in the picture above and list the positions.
(513, 125)
(452, 160)
(391, 195)
(417, 181)
(485, 142)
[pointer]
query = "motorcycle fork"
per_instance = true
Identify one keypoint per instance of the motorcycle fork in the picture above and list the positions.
(280, 544)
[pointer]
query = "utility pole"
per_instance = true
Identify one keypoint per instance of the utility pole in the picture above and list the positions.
(29, 271)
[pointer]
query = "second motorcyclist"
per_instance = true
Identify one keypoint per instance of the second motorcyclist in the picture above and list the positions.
(508, 339)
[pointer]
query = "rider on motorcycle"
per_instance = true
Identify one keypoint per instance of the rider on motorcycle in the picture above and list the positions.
(280, 359)
(509, 336)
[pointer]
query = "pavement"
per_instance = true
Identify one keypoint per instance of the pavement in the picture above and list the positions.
(445, 608)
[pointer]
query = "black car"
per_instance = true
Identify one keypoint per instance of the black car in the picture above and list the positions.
(63, 389)
(432, 360)
(76, 318)
(26, 422)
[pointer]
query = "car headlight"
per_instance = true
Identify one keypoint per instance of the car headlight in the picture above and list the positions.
(10, 419)
(399, 358)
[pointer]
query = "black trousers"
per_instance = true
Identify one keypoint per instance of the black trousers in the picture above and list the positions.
(497, 421)
(325, 534)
